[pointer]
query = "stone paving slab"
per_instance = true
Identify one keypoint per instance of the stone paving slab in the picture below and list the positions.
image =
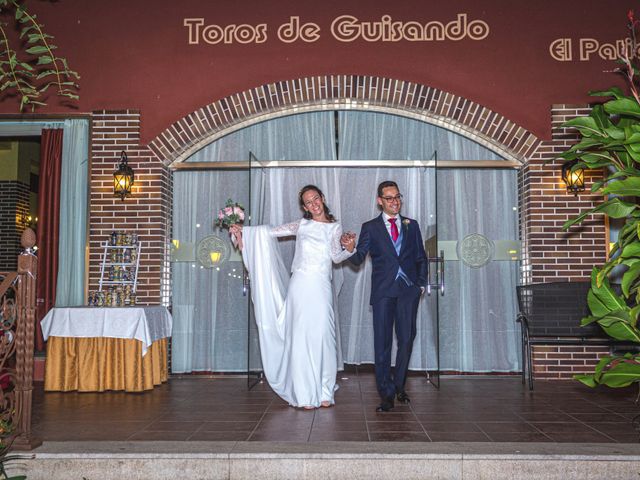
(330, 460)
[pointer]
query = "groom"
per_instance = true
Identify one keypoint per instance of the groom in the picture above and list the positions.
(397, 282)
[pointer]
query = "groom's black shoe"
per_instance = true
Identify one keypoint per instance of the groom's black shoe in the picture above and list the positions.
(386, 405)
(403, 398)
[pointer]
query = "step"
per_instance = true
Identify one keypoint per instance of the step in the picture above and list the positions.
(329, 460)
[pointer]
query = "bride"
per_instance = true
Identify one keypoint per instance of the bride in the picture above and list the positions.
(296, 325)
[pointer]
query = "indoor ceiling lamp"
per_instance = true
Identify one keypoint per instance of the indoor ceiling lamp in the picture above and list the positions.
(573, 177)
(123, 178)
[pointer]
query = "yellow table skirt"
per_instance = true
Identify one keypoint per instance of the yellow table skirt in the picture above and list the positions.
(99, 364)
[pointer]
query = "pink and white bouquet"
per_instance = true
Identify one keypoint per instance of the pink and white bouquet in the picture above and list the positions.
(231, 214)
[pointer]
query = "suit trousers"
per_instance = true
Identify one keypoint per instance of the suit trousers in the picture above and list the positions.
(399, 310)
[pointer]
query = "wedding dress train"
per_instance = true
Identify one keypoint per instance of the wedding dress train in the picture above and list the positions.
(295, 317)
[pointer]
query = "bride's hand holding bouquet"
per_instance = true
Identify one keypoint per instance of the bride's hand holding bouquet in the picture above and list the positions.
(231, 216)
(236, 233)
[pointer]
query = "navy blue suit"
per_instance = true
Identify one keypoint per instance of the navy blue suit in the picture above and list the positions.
(394, 299)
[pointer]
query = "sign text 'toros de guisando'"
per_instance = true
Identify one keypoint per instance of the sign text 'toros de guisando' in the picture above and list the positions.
(345, 28)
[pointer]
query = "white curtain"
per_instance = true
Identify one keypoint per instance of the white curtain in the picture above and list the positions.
(375, 136)
(209, 311)
(296, 137)
(73, 214)
(210, 314)
(477, 328)
(476, 332)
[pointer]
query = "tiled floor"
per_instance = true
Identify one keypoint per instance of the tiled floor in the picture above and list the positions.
(470, 409)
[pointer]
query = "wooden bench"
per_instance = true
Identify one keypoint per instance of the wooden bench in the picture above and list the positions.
(550, 314)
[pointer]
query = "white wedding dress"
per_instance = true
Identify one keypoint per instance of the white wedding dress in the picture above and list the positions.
(295, 316)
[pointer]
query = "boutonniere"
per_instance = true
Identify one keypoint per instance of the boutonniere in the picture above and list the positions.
(405, 223)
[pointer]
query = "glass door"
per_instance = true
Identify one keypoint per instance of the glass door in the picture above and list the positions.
(478, 244)
(208, 306)
(435, 288)
(254, 216)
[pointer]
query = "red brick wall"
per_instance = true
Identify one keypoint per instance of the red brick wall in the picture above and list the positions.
(147, 212)
(14, 206)
(552, 254)
(562, 362)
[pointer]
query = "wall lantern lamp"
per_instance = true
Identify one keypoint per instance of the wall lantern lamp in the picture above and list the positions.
(573, 178)
(123, 178)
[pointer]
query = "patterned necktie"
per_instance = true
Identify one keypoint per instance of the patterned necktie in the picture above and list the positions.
(394, 229)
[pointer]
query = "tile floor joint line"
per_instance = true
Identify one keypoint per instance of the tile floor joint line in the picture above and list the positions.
(311, 427)
(255, 427)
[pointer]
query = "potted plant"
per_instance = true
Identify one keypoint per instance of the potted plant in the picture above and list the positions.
(610, 139)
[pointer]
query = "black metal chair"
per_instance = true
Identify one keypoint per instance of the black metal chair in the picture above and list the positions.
(550, 314)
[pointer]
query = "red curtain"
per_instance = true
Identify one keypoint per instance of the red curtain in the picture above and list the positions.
(48, 225)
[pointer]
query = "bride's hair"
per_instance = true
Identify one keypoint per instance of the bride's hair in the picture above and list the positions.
(306, 214)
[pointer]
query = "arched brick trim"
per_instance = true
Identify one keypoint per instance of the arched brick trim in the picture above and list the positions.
(353, 92)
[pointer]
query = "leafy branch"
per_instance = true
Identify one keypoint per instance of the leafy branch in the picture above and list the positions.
(16, 76)
(30, 71)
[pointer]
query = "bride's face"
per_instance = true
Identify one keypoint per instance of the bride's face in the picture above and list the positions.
(313, 203)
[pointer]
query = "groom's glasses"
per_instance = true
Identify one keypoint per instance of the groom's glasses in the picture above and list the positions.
(397, 198)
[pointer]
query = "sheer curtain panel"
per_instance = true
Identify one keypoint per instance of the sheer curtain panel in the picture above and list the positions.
(73, 214)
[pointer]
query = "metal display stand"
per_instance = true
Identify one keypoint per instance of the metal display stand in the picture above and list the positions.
(131, 267)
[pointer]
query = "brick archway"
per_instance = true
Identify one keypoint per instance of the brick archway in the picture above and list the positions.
(549, 254)
(420, 102)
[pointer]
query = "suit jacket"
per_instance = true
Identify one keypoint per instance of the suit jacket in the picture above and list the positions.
(375, 240)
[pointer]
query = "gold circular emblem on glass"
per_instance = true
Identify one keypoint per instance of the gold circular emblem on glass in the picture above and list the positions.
(475, 250)
(212, 251)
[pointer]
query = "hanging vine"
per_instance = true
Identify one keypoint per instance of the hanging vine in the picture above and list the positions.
(31, 70)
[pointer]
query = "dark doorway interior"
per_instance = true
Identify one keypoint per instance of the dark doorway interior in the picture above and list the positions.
(19, 179)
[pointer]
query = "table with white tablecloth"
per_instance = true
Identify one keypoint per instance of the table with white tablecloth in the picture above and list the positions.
(93, 349)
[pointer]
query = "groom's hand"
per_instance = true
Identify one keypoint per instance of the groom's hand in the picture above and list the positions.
(348, 241)
(344, 239)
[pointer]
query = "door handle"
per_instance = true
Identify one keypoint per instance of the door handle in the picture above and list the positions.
(245, 282)
(435, 273)
(441, 265)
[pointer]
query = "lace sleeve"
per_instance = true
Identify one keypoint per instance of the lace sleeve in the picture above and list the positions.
(285, 230)
(338, 254)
